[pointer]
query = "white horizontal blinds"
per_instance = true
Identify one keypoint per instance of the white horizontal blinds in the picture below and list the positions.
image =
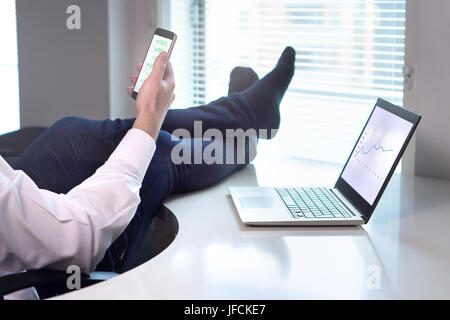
(182, 55)
(9, 74)
(349, 53)
(198, 24)
(187, 21)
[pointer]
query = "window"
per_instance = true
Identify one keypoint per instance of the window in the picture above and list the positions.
(9, 74)
(349, 53)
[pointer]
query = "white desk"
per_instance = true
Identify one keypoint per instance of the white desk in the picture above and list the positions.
(215, 256)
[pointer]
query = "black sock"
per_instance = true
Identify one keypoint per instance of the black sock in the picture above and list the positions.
(241, 78)
(265, 95)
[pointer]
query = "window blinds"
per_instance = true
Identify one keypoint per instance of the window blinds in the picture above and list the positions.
(349, 53)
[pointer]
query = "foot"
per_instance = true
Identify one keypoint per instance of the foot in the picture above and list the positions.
(241, 78)
(265, 95)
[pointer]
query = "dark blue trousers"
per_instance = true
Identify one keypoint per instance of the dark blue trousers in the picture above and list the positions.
(74, 148)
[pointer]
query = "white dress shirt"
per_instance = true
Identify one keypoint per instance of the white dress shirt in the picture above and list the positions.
(39, 228)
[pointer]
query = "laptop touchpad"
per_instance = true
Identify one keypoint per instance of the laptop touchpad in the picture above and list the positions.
(258, 202)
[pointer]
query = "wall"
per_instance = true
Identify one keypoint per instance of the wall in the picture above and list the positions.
(131, 25)
(62, 72)
(428, 51)
(81, 72)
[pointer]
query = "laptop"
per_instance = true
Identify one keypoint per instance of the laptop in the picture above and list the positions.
(358, 189)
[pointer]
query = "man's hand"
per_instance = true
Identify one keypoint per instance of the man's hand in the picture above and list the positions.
(155, 96)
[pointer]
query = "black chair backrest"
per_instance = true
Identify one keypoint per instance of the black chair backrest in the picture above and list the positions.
(13, 144)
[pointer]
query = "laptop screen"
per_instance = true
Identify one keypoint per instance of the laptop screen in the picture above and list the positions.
(375, 153)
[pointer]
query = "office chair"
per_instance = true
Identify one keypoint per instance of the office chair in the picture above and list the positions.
(13, 144)
(42, 278)
(160, 235)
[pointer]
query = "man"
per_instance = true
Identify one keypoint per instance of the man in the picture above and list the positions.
(86, 191)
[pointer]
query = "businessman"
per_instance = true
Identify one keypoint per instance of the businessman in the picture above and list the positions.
(85, 191)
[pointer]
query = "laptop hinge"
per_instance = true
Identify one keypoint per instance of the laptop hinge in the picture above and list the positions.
(341, 198)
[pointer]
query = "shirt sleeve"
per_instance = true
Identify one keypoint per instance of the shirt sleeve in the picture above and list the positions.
(40, 229)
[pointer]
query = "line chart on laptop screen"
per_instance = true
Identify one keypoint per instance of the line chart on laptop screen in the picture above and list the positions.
(375, 153)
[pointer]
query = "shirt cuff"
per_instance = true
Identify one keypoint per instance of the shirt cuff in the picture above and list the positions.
(137, 148)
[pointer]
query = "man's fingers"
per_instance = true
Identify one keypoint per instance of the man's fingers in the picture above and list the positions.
(130, 91)
(139, 67)
(134, 79)
(159, 67)
(169, 75)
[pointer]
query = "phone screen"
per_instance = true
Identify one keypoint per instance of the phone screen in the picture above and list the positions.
(159, 44)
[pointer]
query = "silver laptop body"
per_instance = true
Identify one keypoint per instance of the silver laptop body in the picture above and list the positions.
(358, 189)
(266, 206)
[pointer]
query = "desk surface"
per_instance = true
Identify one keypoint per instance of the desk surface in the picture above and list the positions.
(403, 252)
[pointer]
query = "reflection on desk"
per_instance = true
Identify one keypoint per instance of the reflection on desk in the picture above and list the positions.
(402, 252)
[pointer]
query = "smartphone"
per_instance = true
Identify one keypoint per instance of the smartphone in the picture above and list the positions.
(162, 40)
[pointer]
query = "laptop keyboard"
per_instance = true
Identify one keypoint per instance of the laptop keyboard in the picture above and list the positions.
(312, 203)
